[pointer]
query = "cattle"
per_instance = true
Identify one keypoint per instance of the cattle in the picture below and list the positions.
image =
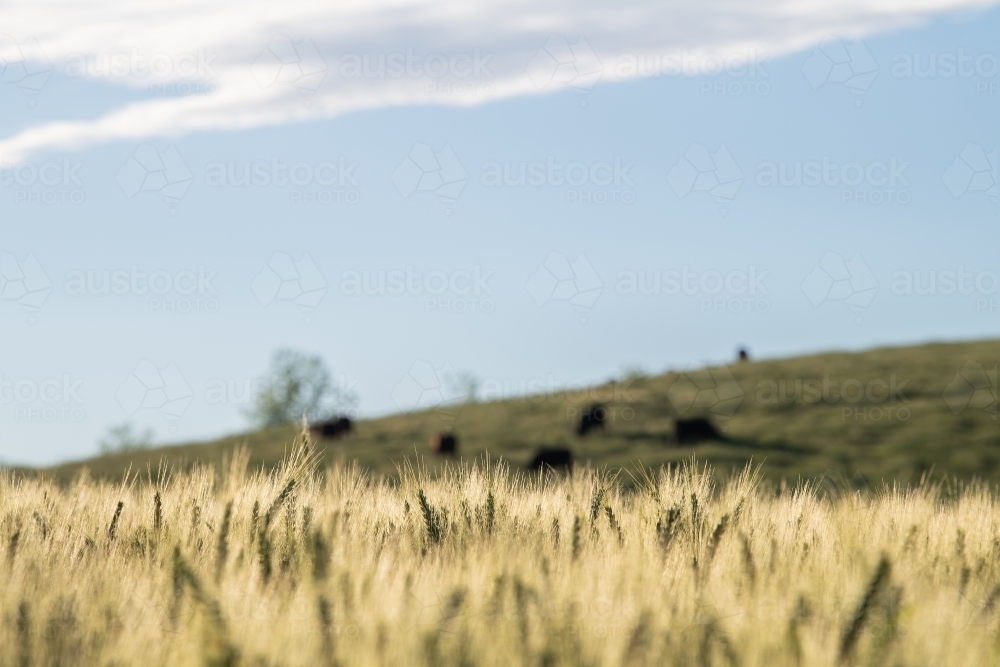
(552, 457)
(444, 443)
(694, 430)
(331, 429)
(591, 418)
(744, 355)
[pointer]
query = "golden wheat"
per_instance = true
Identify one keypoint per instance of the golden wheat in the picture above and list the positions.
(482, 566)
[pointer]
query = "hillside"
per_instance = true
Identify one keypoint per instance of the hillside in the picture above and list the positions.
(865, 417)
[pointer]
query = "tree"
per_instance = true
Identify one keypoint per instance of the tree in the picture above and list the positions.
(465, 385)
(299, 384)
(125, 438)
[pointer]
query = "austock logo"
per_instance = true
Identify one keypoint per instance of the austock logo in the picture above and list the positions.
(423, 170)
(744, 70)
(551, 390)
(560, 63)
(54, 399)
(701, 171)
(148, 170)
(875, 182)
(23, 64)
(183, 73)
(461, 291)
(150, 388)
(730, 292)
(712, 389)
(837, 62)
(427, 388)
(246, 390)
(24, 282)
(866, 400)
(49, 182)
(558, 279)
(453, 74)
(974, 170)
(598, 182)
(981, 68)
(285, 279)
(415, 65)
(292, 62)
(325, 182)
(973, 387)
(945, 283)
(185, 291)
(833, 279)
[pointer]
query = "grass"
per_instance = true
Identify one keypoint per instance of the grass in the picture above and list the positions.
(303, 565)
(265, 549)
(861, 442)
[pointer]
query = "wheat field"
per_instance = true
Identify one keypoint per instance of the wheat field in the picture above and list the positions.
(480, 565)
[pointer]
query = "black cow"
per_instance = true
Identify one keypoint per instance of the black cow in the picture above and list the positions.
(744, 355)
(695, 429)
(591, 418)
(555, 457)
(331, 429)
(444, 443)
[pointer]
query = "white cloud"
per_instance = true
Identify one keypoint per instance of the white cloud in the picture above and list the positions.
(234, 35)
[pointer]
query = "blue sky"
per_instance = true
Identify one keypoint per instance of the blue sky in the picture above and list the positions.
(664, 227)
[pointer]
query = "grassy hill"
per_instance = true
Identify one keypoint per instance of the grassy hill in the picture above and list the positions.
(884, 414)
